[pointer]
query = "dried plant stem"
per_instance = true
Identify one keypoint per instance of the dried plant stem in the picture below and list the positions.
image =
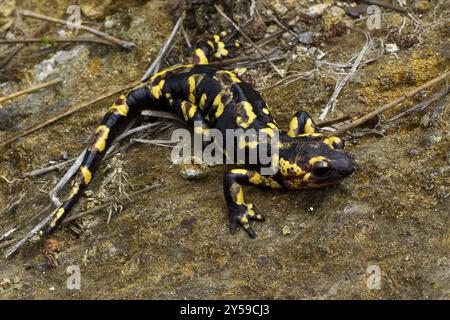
(75, 107)
(118, 42)
(341, 84)
(125, 200)
(19, 47)
(390, 105)
(47, 41)
(28, 90)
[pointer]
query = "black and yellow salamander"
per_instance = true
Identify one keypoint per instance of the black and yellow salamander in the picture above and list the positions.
(220, 99)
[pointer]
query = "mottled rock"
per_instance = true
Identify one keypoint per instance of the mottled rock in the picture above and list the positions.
(7, 7)
(317, 9)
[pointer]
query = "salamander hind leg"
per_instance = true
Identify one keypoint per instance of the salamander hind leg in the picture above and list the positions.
(217, 46)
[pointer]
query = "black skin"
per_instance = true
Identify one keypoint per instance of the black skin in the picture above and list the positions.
(221, 100)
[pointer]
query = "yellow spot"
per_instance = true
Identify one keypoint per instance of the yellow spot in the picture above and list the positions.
(203, 101)
(100, 143)
(192, 111)
(240, 196)
(306, 176)
(293, 127)
(313, 134)
(75, 189)
(286, 167)
(192, 85)
(316, 159)
(272, 125)
(211, 44)
(256, 179)
(59, 213)
(121, 109)
(163, 72)
(244, 219)
(331, 140)
(157, 89)
(184, 110)
(233, 76)
(216, 38)
(218, 103)
(266, 111)
(250, 115)
(201, 56)
(87, 175)
(239, 171)
(268, 131)
(309, 126)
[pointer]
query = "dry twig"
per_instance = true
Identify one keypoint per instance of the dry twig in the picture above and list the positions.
(29, 90)
(107, 37)
(390, 105)
(75, 107)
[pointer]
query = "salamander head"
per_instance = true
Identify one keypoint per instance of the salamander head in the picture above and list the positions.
(313, 161)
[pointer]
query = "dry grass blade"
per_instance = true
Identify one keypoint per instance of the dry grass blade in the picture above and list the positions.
(75, 107)
(29, 90)
(341, 84)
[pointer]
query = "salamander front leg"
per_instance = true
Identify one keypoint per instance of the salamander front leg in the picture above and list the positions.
(241, 212)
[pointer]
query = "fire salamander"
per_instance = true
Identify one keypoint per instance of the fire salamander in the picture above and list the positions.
(222, 100)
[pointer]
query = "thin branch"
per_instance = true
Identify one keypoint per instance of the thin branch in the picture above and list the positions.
(48, 41)
(75, 107)
(390, 105)
(28, 90)
(423, 105)
(124, 201)
(341, 84)
(261, 52)
(118, 42)
(15, 51)
(29, 235)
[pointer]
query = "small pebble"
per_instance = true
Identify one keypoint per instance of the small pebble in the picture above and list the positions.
(317, 9)
(191, 170)
(286, 230)
(391, 47)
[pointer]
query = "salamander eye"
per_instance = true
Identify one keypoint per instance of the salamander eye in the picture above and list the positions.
(321, 169)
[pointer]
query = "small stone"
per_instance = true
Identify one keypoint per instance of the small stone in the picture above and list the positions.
(337, 12)
(286, 231)
(391, 47)
(317, 9)
(306, 37)
(109, 23)
(193, 169)
(5, 283)
(358, 11)
(272, 29)
(279, 8)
